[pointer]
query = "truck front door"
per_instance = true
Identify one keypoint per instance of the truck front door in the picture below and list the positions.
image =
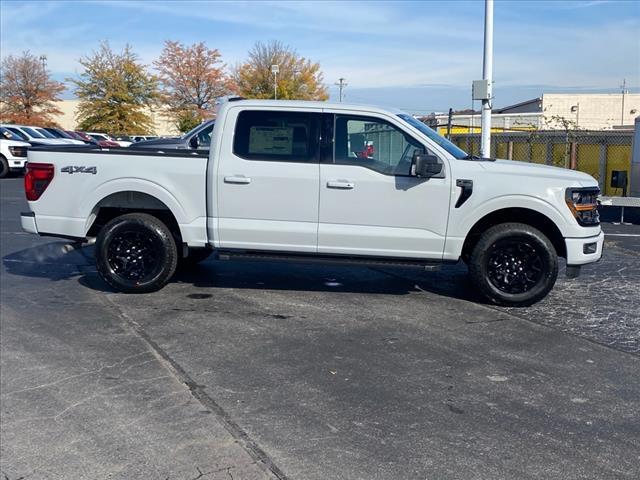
(370, 204)
(267, 182)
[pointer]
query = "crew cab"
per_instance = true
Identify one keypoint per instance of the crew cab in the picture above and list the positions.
(323, 182)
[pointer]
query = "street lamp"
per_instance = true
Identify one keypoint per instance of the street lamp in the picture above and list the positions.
(576, 109)
(275, 69)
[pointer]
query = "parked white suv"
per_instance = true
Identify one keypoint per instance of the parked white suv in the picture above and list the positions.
(31, 134)
(13, 155)
(317, 181)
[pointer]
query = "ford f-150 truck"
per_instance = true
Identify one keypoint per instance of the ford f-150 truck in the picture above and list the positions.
(292, 180)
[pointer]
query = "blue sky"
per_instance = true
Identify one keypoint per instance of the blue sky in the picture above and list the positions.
(420, 56)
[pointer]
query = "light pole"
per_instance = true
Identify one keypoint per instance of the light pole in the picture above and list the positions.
(487, 76)
(275, 69)
(624, 91)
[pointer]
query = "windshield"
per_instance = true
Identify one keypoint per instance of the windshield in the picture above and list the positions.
(44, 133)
(195, 129)
(440, 140)
(32, 132)
(9, 135)
(18, 132)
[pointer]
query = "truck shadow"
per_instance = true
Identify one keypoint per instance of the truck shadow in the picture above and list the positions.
(63, 261)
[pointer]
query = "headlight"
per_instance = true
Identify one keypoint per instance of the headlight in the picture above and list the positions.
(18, 151)
(584, 205)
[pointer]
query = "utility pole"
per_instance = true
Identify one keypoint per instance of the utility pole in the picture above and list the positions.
(275, 69)
(341, 84)
(624, 92)
(487, 76)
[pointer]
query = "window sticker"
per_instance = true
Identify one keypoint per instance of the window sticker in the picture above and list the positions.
(271, 140)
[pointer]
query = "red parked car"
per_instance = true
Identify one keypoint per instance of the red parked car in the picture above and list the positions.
(102, 143)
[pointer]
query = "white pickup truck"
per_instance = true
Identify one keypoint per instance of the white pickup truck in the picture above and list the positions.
(290, 180)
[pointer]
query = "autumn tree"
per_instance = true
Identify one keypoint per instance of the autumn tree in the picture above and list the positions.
(27, 92)
(191, 78)
(116, 92)
(298, 78)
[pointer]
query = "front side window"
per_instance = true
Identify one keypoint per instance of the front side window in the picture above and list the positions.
(277, 136)
(373, 143)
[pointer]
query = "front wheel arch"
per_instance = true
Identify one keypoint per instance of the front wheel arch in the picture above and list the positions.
(525, 216)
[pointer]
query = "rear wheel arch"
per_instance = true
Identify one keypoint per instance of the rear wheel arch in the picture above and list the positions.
(122, 203)
(525, 216)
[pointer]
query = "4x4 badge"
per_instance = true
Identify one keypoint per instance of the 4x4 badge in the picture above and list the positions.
(73, 169)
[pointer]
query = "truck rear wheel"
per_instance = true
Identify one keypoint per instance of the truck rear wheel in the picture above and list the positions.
(513, 264)
(136, 253)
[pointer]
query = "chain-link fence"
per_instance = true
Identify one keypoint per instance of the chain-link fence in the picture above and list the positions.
(598, 153)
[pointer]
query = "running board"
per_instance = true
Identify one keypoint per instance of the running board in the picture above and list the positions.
(427, 265)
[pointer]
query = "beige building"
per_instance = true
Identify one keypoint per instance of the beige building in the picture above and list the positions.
(68, 119)
(554, 111)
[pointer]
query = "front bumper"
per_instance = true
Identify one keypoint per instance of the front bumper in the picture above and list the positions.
(581, 251)
(28, 222)
(16, 163)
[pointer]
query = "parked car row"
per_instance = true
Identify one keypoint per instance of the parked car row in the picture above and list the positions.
(15, 139)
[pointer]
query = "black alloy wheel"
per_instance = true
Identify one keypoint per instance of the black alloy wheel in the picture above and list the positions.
(513, 264)
(136, 253)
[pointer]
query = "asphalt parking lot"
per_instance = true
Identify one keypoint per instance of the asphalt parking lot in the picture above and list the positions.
(257, 370)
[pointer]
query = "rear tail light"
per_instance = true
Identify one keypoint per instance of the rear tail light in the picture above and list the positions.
(37, 179)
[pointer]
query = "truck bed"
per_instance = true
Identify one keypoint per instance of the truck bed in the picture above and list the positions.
(88, 178)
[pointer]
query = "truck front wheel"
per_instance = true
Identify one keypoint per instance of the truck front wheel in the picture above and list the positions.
(513, 264)
(136, 253)
(4, 167)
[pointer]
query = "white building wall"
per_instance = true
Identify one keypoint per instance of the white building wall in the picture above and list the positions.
(68, 119)
(593, 112)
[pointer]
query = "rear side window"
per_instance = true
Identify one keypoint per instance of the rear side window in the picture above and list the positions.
(277, 136)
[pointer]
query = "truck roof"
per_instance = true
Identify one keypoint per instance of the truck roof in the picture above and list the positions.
(310, 104)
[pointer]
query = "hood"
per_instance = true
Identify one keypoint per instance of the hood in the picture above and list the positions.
(14, 143)
(50, 141)
(510, 167)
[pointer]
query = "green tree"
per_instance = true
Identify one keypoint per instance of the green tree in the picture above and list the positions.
(187, 120)
(27, 92)
(298, 78)
(191, 78)
(116, 92)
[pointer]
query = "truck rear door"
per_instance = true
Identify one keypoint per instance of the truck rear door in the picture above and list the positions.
(267, 182)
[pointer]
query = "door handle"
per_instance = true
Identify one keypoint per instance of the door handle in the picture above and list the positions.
(239, 179)
(341, 184)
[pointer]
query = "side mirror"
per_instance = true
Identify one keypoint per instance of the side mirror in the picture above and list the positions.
(424, 165)
(193, 142)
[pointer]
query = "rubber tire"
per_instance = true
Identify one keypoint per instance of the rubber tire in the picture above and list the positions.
(156, 228)
(479, 260)
(196, 255)
(4, 167)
